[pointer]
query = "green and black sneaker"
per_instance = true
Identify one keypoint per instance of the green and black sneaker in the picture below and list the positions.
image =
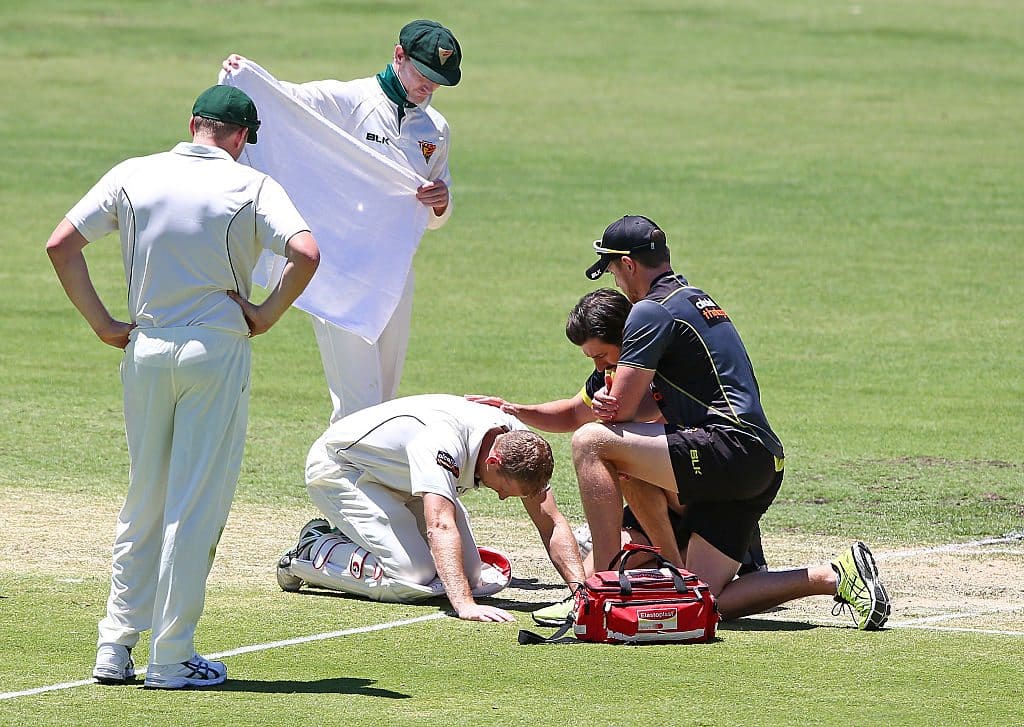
(555, 614)
(859, 588)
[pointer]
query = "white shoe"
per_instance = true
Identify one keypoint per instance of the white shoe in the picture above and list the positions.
(114, 664)
(196, 672)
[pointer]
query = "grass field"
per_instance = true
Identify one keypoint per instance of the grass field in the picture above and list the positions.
(845, 179)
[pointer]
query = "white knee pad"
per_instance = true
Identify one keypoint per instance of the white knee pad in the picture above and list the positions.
(339, 564)
(360, 563)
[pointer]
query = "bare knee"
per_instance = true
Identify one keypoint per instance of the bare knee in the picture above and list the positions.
(591, 442)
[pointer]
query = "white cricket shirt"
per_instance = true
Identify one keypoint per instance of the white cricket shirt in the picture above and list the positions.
(362, 109)
(192, 223)
(415, 445)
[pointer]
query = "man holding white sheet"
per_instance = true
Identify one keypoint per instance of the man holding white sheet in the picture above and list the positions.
(391, 114)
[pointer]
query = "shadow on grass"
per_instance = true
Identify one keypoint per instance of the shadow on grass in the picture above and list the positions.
(440, 603)
(766, 624)
(533, 584)
(337, 685)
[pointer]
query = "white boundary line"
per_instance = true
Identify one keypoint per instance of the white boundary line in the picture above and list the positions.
(247, 650)
(913, 624)
(950, 548)
(923, 620)
(923, 623)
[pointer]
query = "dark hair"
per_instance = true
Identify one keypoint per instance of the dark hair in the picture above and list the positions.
(215, 128)
(600, 314)
(653, 258)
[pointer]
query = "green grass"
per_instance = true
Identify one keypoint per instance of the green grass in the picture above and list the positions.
(449, 672)
(843, 178)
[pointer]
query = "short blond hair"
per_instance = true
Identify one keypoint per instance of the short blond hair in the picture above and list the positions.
(216, 129)
(525, 457)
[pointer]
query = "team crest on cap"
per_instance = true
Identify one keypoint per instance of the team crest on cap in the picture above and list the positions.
(444, 54)
(428, 148)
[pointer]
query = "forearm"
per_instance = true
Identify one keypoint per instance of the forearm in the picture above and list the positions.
(446, 549)
(648, 411)
(629, 389)
(73, 273)
(565, 554)
(556, 535)
(552, 416)
(65, 251)
(303, 259)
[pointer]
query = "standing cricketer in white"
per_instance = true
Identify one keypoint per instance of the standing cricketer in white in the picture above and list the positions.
(389, 479)
(391, 114)
(192, 222)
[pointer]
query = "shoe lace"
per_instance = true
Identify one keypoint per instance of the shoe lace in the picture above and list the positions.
(844, 605)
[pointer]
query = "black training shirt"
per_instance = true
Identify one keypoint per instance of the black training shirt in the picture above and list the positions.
(703, 375)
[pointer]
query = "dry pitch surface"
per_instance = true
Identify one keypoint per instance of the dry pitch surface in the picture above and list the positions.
(964, 586)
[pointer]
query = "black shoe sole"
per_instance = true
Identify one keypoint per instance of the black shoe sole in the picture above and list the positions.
(867, 569)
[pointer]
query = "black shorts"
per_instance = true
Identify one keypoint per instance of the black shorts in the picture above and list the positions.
(726, 480)
(753, 559)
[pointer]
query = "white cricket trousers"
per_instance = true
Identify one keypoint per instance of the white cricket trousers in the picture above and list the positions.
(387, 523)
(361, 374)
(186, 402)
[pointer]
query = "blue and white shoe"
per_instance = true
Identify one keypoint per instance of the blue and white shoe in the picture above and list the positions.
(196, 672)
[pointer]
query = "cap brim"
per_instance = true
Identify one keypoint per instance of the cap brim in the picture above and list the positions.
(448, 78)
(598, 269)
(251, 139)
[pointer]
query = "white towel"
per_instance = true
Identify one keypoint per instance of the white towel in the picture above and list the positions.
(360, 206)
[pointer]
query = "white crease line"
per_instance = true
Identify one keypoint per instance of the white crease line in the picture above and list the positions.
(966, 630)
(952, 547)
(1012, 537)
(895, 624)
(950, 616)
(991, 551)
(245, 650)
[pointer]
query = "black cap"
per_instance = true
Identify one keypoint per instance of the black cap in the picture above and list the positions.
(632, 233)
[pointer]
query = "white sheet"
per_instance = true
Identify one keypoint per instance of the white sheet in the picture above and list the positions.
(360, 206)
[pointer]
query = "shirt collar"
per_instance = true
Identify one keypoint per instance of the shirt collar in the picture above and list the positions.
(189, 149)
(668, 274)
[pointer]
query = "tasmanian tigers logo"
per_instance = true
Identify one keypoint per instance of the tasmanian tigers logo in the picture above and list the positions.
(428, 148)
(444, 54)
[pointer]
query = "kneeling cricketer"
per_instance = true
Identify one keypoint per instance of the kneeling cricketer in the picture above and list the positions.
(389, 478)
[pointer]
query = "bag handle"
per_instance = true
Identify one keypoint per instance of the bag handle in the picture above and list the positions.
(527, 638)
(631, 548)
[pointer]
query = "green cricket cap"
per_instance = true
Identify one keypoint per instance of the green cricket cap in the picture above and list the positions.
(229, 104)
(434, 51)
